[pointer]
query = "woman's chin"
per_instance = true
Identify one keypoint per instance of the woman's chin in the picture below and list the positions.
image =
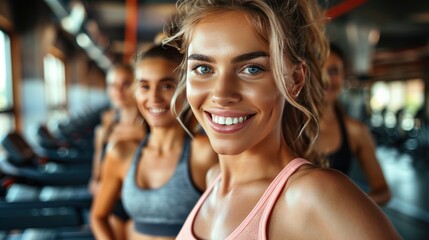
(226, 149)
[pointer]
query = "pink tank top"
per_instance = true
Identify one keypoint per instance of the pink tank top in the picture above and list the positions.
(255, 224)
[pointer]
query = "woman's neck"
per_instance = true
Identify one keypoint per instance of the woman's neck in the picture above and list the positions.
(328, 113)
(129, 114)
(261, 162)
(166, 138)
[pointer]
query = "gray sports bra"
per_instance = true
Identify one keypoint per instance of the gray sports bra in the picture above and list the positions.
(161, 211)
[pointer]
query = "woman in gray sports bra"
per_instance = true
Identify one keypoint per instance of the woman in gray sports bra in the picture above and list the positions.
(163, 177)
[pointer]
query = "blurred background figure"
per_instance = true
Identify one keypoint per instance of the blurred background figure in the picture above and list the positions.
(122, 122)
(342, 138)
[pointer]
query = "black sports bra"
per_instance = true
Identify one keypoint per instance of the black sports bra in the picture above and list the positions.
(342, 158)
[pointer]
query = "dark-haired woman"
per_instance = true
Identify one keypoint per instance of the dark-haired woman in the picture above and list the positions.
(162, 177)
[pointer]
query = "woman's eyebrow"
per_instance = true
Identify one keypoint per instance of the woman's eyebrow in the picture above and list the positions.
(168, 79)
(249, 56)
(240, 58)
(200, 57)
(165, 79)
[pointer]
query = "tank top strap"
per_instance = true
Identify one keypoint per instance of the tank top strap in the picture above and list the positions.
(138, 152)
(117, 116)
(275, 188)
(115, 120)
(253, 221)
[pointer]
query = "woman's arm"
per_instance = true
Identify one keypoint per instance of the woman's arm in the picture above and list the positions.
(364, 149)
(104, 200)
(96, 160)
(100, 139)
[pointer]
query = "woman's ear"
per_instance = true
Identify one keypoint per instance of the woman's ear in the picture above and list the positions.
(298, 79)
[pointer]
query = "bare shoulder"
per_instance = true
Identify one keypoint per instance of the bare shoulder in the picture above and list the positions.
(98, 128)
(324, 198)
(120, 150)
(359, 134)
(202, 151)
(320, 183)
(99, 131)
(117, 160)
(355, 127)
(107, 117)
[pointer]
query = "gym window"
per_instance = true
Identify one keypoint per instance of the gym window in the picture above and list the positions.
(7, 119)
(55, 85)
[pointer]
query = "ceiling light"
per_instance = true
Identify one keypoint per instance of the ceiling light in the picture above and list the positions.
(83, 40)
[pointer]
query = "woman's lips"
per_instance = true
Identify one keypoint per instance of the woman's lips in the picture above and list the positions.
(224, 123)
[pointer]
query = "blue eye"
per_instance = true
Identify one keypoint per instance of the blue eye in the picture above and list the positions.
(252, 70)
(203, 70)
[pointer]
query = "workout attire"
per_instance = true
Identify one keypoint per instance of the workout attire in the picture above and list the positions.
(116, 119)
(161, 211)
(118, 208)
(342, 158)
(255, 224)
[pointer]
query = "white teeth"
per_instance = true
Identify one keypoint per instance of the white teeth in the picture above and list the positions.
(228, 120)
(157, 110)
(221, 120)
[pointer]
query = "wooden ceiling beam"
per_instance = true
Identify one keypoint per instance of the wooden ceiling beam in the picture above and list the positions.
(343, 8)
(131, 25)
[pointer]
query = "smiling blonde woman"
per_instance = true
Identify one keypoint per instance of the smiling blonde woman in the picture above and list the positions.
(253, 80)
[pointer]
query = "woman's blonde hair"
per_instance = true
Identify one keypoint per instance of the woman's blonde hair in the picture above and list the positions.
(294, 32)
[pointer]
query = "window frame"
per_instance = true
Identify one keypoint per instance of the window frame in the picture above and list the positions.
(16, 118)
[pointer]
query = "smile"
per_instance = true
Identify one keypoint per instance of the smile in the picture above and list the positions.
(228, 121)
(157, 110)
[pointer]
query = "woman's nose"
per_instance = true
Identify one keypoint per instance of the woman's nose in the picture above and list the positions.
(226, 90)
(154, 94)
